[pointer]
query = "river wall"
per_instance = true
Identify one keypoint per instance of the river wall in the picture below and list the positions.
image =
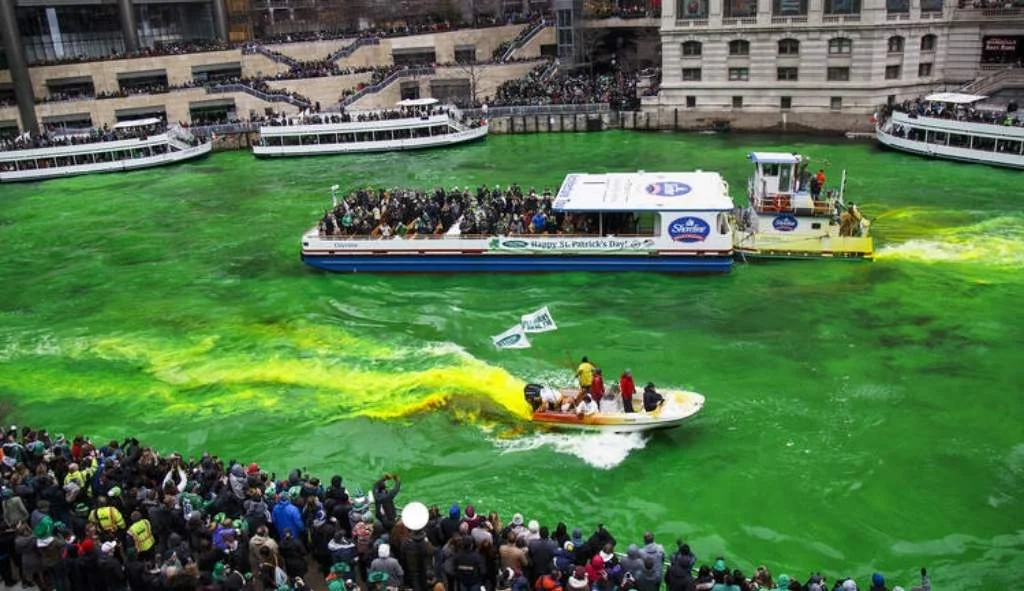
(666, 120)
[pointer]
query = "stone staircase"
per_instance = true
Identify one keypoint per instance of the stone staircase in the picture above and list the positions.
(397, 75)
(270, 98)
(275, 56)
(521, 42)
(1009, 76)
(352, 47)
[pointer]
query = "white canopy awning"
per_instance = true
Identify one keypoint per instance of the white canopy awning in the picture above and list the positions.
(955, 98)
(420, 102)
(138, 123)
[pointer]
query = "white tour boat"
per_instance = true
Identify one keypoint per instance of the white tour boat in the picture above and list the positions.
(672, 222)
(967, 138)
(420, 123)
(793, 215)
(142, 151)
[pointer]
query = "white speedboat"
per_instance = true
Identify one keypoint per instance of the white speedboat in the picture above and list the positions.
(679, 406)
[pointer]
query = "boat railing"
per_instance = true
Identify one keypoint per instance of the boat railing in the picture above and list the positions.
(783, 203)
(365, 237)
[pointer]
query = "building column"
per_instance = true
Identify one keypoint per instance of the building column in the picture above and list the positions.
(129, 28)
(19, 69)
(220, 19)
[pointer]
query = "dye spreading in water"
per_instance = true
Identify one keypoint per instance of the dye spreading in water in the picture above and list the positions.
(171, 304)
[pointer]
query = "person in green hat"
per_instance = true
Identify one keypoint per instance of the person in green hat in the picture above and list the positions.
(378, 581)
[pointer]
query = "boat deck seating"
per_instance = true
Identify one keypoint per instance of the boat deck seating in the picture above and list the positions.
(783, 203)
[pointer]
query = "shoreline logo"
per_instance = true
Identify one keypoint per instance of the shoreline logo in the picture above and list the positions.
(785, 223)
(688, 229)
(668, 188)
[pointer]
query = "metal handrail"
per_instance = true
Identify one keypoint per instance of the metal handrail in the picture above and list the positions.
(352, 47)
(270, 98)
(476, 236)
(385, 82)
(516, 111)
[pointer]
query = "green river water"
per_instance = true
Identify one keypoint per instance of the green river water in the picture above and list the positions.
(859, 416)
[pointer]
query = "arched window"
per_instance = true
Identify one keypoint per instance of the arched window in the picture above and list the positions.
(895, 44)
(789, 47)
(840, 45)
(692, 49)
(928, 42)
(739, 47)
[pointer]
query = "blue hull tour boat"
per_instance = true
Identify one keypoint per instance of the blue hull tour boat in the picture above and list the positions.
(674, 222)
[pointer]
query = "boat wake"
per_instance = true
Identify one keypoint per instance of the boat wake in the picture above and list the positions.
(600, 450)
(995, 242)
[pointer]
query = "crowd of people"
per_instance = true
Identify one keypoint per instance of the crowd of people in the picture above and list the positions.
(920, 107)
(159, 49)
(56, 136)
(80, 515)
(625, 9)
(406, 213)
(617, 89)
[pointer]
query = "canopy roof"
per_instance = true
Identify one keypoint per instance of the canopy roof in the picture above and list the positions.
(644, 191)
(420, 102)
(954, 97)
(774, 158)
(138, 123)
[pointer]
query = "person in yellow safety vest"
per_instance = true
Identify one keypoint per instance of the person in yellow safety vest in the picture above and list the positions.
(141, 534)
(80, 477)
(108, 518)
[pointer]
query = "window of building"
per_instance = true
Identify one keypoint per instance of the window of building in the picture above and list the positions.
(739, 47)
(836, 103)
(692, 9)
(737, 102)
(789, 74)
(896, 44)
(897, 6)
(740, 8)
(691, 101)
(842, 6)
(692, 49)
(789, 7)
(924, 70)
(839, 74)
(691, 74)
(928, 43)
(892, 72)
(789, 47)
(465, 54)
(840, 45)
(786, 103)
(739, 74)
(931, 5)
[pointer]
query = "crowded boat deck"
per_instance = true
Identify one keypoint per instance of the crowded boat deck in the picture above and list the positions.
(955, 126)
(127, 145)
(676, 222)
(415, 124)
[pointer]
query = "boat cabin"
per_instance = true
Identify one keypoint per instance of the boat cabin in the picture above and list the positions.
(783, 183)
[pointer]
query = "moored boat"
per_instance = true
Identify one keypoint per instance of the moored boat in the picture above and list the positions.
(955, 126)
(673, 222)
(793, 214)
(416, 124)
(129, 145)
(679, 407)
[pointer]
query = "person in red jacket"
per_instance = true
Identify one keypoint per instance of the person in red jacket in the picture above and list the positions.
(627, 388)
(597, 386)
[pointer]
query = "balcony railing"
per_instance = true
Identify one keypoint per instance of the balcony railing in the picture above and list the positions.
(789, 20)
(546, 110)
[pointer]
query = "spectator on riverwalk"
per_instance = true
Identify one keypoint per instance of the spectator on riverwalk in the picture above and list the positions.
(188, 531)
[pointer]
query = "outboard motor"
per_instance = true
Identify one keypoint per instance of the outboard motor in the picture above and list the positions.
(532, 394)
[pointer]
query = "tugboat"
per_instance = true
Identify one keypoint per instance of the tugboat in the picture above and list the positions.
(678, 407)
(791, 213)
